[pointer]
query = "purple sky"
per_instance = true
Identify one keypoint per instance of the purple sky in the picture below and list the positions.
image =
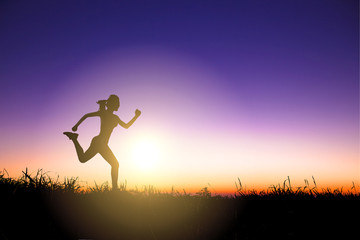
(272, 67)
(285, 53)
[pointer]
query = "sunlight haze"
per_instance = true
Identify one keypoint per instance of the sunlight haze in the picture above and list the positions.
(226, 92)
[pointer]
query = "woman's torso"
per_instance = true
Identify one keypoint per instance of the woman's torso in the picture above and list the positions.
(108, 122)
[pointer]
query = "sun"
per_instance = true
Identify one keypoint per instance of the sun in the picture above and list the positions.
(145, 154)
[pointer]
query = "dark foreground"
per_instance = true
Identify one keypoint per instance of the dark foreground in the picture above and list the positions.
(33, 212)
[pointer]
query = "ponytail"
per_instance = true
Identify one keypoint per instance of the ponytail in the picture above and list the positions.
(102, 104)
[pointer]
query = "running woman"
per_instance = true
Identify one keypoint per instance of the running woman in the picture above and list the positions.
(99, 144)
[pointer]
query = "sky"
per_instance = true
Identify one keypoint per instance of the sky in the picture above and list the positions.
(256, 90)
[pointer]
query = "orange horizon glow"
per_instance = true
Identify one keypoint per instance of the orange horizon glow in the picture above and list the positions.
(214, 189)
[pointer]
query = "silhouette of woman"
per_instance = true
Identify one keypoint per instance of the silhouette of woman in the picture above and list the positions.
(99, 144)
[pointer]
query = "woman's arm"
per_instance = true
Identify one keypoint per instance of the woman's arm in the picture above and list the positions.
(93, 114)
(127, 125)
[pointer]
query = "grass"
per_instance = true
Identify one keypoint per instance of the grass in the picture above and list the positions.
(285, 190)
(47, 208)
(41, 181)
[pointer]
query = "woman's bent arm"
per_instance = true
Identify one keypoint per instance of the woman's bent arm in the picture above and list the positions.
(93, 114)
(127, 125)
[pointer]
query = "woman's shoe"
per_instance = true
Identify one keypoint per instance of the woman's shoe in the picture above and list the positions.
(71, 135)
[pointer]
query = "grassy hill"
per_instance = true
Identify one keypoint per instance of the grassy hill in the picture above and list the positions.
(38, 207)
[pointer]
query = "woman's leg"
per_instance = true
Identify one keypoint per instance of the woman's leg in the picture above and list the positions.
(108, 155)
(83, 156)
(88, 154)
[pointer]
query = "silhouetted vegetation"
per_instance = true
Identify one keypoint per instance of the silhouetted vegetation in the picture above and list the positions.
(38, 206)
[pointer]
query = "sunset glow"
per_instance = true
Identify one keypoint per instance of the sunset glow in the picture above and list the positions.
(236, 92)
(145, 154)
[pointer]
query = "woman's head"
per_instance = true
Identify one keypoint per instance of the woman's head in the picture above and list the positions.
(113, 103)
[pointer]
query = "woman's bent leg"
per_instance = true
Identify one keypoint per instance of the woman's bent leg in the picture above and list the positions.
(85, 156)
(108, 155)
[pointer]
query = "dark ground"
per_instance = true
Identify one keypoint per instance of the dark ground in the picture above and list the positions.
(124, 215)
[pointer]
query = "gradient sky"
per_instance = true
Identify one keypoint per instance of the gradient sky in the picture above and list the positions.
(259, 90)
